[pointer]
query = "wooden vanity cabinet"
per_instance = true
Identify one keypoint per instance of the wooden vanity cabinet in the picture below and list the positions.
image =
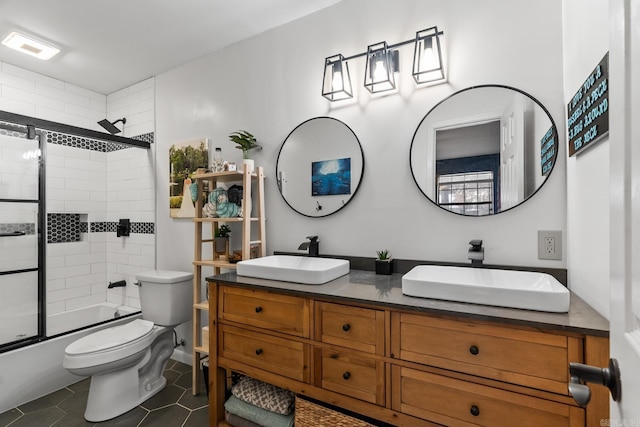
(399, 366)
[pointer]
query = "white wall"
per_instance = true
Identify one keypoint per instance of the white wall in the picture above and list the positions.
(271, 83)
(585, 42)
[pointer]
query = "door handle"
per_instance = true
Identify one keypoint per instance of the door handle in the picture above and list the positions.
(608, 377)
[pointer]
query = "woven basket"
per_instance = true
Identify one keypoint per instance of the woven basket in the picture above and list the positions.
(309, 414)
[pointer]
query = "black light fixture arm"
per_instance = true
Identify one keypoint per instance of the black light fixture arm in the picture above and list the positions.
(392, 46)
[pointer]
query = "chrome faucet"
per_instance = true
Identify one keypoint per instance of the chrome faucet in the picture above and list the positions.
(312, 245)
(476, 253)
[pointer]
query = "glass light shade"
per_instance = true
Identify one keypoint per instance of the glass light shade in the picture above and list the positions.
(379, 70)
(427, 56)
(336, 84)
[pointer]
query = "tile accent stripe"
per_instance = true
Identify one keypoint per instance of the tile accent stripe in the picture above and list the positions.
(27, 228)
(136, 227)
(65, 228)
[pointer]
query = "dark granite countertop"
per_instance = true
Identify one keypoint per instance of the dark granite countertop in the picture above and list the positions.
(367, 287)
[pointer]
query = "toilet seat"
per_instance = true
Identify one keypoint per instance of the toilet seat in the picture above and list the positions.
(118, 344)
(110, 338)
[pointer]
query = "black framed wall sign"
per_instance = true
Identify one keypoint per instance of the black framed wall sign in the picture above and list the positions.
(548, 151)
(588, 110)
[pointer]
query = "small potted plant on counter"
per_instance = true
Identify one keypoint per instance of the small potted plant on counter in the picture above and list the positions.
(383, 262)
(245, 142)
(221, 240)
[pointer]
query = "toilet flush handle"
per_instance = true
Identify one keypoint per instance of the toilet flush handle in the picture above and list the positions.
(138, 284)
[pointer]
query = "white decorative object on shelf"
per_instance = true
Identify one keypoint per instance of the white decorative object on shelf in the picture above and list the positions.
(248, 165)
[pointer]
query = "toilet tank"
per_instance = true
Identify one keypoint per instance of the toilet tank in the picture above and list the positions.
(166, 297)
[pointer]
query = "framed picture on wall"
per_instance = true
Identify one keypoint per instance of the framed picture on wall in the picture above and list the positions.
(331, 177)
(184, 159)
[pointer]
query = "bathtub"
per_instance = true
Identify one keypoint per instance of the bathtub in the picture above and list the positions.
(34, 371)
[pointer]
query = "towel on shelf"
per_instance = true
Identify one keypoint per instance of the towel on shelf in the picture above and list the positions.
(264, 395)
(257, 415)
(236, 421)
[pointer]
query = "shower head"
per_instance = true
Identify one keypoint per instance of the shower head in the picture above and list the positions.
(111, 127)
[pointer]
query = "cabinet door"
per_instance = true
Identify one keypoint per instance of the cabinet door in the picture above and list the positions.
(460, 403)
(524, 357)
(280, 356)
(352, 327)
(357, 376)
(279, 313)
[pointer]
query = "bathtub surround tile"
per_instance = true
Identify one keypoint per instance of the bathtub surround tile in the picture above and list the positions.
(82, 171)
(174, 406)
(89, 300)
(54, 308)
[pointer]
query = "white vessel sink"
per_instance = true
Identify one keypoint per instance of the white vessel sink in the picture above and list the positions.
(298, 269)
(503, 288)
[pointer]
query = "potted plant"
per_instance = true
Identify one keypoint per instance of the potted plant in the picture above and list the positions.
(245, 142)
(383, 262)
(221, 240)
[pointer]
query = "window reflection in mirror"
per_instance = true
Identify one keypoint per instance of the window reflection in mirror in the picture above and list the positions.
(483, 150)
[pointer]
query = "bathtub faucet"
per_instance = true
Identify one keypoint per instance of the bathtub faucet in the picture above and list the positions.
(476, 253)
(312, 245)
(118, 284)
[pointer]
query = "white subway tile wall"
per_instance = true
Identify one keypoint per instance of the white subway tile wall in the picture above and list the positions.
(19, 306)
(101, 186)
(18, 168)
(19, 252)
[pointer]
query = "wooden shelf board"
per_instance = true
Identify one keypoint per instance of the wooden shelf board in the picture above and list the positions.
(223, 176)
(213, 263)
(234, 219)
(204, 305)
(200, 349)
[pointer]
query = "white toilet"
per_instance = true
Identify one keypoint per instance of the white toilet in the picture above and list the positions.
(126, 362)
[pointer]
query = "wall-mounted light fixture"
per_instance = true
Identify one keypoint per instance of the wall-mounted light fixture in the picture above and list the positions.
(427, 57)
(337, 81)
(382, 62)
(380, 68)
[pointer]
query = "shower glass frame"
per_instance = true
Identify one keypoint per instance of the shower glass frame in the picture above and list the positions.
(30, 133)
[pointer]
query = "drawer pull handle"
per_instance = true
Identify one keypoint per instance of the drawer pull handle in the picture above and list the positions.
(258, 352)
(474, 350)
(475, 411)
(346, 375)
(258, 309)
(346, 327)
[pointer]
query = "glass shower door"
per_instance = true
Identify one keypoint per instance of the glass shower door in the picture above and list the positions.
(21, 250)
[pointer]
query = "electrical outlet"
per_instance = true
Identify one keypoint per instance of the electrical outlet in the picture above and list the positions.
(550, 244)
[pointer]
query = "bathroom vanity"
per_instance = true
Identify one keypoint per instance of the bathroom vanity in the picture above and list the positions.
(358, 343)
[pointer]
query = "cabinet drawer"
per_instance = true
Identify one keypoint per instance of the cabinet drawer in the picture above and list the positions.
(352, 327)
(453, 402)
(529, 358)
(280, 356)
(280, 313)
(356, 376)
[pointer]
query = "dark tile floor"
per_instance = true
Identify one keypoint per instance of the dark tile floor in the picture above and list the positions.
(174, 406)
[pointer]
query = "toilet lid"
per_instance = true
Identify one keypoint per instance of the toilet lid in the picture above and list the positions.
(111, 337)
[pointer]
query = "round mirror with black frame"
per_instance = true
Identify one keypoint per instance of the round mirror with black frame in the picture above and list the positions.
(320, 166)
(483, 150)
